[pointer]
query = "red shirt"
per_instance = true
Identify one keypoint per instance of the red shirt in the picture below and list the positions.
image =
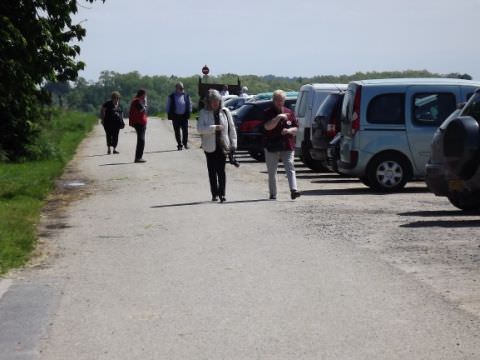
(138, 113)
(276, 132)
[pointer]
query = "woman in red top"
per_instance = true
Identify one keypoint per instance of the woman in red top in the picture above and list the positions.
(138, 120)
(280, 130)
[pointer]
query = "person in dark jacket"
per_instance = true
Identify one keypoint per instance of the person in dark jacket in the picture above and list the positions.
(138, 120)
(179, 108)
(112, 121)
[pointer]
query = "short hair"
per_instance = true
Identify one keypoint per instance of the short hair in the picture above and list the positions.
(179, 84)
(115, 95)
(278, 94)
(141, 92)
(212, 95)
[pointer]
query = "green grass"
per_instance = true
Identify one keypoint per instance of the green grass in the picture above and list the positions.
(24, 187)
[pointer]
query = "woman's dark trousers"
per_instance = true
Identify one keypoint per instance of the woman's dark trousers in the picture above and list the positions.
(216, 172)
(140, 140)
(112, 136)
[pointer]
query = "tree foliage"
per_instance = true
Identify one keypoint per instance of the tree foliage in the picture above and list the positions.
(35, 47)
(86, 96)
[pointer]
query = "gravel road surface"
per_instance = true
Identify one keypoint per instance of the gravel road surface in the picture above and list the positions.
(135, 262)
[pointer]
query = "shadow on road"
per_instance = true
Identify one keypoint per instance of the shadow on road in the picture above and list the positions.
(435, 213)
(160, 151)
(359, 191)
(444, 224)
(207, 202)
(113, 164)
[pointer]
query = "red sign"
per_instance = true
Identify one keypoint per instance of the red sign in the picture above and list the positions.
(205, 70)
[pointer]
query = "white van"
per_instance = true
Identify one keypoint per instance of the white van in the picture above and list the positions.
(309, 99)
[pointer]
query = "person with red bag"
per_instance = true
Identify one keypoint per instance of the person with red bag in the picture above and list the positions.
(138, 119)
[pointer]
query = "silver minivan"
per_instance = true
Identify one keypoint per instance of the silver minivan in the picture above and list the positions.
(387, 127)
(310, 98)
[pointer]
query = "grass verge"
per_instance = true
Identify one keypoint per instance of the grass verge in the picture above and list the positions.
(25, 186)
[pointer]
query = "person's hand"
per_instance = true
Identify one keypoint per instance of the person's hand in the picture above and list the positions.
(285, 131)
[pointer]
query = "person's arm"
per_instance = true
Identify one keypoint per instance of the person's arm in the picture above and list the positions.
(102, 113)
(167, 108)
(203, 128)
(232, 133)
(272, 123)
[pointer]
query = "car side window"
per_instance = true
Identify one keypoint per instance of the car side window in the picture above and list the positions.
(302, 104)
(387, 109)
(430, 109)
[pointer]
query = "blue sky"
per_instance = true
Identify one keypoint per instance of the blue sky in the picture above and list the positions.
(284, 38)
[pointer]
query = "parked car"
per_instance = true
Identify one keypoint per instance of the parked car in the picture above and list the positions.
(249, 121)
(454, 164)
(233, 103)
(387, 127)
(268, 95)
(325, 126)
(309, 99)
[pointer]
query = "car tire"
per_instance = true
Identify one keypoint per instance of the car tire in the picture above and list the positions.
(388, 173)
(312, 164)
(465, 201)
(461, 146)
(258, 155)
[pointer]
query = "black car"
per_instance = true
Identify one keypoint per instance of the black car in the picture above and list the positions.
(324, 128)
(454, 166)
(249, 121)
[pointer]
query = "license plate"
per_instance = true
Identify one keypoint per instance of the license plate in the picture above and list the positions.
(456, 185)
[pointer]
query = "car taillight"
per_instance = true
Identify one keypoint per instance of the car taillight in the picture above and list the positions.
(332, 127)
(356, 111)
(249, 125)
(331, 130)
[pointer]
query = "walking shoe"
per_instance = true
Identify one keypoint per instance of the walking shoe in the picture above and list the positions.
(273, 197)
(179, 147)
(222, 199)
(186, 147)
(214, 198)
(115, 152)
(294, 194)
(140, 160)
(109, 152)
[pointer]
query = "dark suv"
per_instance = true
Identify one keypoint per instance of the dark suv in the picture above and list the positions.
(324, 127)
(453, 167)
(249, 121)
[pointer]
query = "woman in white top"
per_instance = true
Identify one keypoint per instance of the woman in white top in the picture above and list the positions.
(217, 131)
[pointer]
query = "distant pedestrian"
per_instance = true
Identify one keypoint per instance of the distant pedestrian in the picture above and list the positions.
(244, 92)
(112, 121)
(217, 130)
(179, 108)
(280, 130)
(225, 91)
(138, 120)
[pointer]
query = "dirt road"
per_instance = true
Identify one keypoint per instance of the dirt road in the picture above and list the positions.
(139, 264)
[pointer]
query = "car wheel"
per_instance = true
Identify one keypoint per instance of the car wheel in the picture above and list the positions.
(466, 201)
(312, 164)
(387, 173)
(461, 146)
(258, 155)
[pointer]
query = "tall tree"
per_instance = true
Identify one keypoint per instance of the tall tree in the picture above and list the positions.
(35, 46)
